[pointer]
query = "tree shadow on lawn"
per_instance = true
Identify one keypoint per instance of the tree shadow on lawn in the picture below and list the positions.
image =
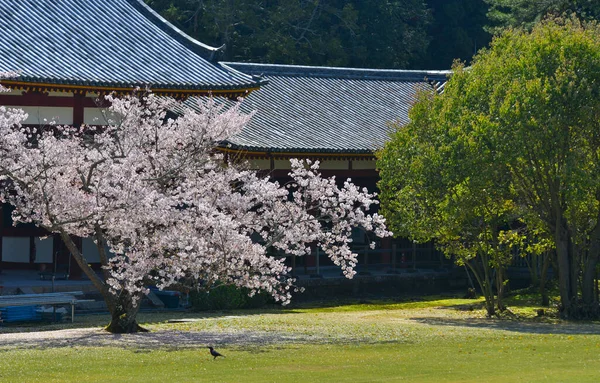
(363, 303)
(140, 342)
(153, 317)
(530, 327)
(145, 318)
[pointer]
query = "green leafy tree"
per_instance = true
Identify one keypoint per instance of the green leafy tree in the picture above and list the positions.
(526, 13)
(534, 100)
(545, 105)
(435, 187)
(539, 249)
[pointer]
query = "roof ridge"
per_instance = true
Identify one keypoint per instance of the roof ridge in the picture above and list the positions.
(203, 50)
(110, 45)
(256, 78)
(339, 72)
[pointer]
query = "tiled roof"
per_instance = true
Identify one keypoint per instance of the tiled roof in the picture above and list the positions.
(106, 43)
(327, 110)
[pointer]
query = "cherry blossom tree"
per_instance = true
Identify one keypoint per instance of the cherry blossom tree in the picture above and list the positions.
(169, 206)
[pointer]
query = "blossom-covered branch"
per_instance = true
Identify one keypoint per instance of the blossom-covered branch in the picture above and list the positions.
(158, 193)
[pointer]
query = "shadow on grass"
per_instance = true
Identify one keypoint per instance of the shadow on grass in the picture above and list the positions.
(140, 342)
(346, 304)
(529, 327)
(154, 317)
(145, 318)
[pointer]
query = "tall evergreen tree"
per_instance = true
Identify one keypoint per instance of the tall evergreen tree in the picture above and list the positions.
(526, 13)
(456, 31)
(377, 33)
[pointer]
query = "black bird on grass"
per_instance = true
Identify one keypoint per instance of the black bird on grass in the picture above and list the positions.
(214, 353)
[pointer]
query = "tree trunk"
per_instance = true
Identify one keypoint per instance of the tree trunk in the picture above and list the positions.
(589, 308)
(589, 285)
(82, 262)
(589, 276)
(123, 312)
(575, 268)
(123, 308)
(500, 288)
(485, 286)
(564, 271)
(534, 268)
(543, 279)
(490, 304)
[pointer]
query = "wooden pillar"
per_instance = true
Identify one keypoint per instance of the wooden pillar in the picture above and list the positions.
(318, 255)
(386, 248)
(78, 108)
(64, 261)
(2, 206)
(414, 255)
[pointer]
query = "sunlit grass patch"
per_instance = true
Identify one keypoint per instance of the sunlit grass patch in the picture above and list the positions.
(498, 358)
(388, 304)
(433, 339)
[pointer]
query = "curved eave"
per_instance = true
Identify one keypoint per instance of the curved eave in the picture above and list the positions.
(340, 72)
(204, 50)
(123, 89)
(289, 153)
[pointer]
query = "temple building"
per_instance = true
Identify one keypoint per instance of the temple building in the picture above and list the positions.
(65, 55)
(340, 117)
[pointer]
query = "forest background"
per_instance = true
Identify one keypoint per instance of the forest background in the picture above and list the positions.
(399, 34)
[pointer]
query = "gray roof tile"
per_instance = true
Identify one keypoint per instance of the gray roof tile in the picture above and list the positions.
(332, 110)
(108, 43)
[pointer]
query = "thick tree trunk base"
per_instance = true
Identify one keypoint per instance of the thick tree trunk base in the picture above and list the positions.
(120, 326)
(123, 314)
(545, 299)
(580, 310)
(490, 310)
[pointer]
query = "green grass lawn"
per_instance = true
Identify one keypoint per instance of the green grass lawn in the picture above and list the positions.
(434, 340)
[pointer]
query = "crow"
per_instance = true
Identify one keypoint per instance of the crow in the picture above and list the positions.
(214, 353)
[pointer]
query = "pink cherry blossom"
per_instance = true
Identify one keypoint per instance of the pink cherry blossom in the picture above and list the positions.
(159, 194)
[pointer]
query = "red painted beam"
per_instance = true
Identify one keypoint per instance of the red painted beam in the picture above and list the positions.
(42, 99)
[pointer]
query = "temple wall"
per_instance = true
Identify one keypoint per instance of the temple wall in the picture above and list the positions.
(282, 164)
(43, 115)
(258, 164)
(15, 249)
(13, 93)
(334, 165)
(363, 165)
(18, 249)
(43, 249)
(323, 164)
(60, 94)
(90, 250)
(94, 116)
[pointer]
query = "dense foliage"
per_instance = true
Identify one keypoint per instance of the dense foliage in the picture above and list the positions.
(526, 13)
(514, 140)
(440, 181)
(456, 31)
(417, 34)
(351, 33)
(357, 33)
